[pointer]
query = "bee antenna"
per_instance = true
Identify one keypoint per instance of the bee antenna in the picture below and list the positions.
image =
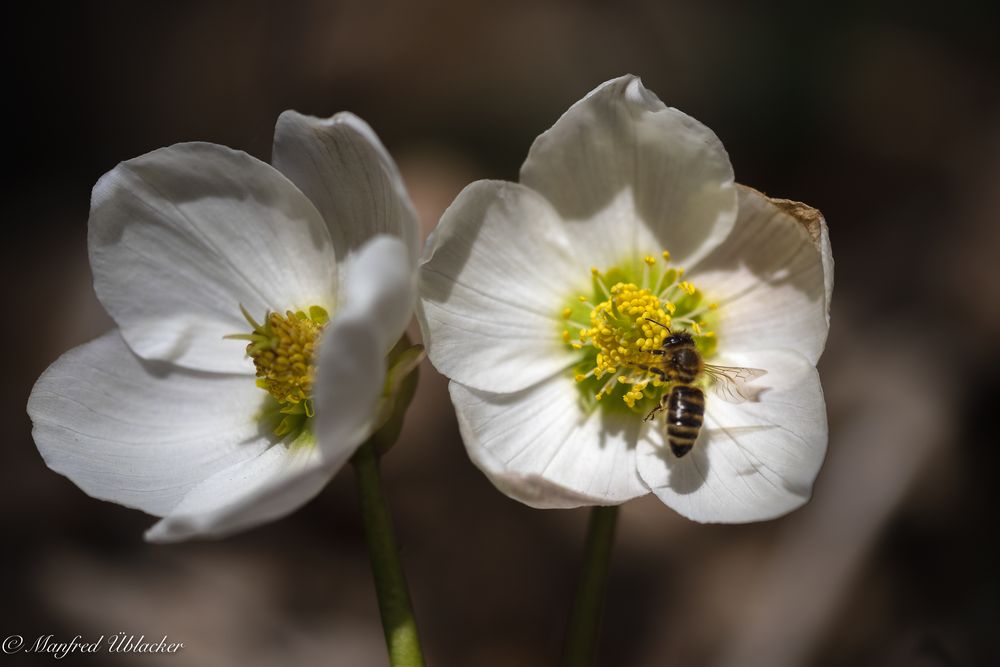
(649, 319)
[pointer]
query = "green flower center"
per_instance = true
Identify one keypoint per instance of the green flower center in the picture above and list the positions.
(283, 351)
(618, 327)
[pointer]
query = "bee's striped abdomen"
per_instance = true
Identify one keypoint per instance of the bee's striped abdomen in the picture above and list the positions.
(685, 414)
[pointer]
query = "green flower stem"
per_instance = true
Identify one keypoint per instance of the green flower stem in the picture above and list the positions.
(398, 621)
(585, 619)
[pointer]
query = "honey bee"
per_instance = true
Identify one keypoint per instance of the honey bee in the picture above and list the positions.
(683, 366)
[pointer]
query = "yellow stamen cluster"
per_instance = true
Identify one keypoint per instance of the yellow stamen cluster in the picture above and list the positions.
(283, 351)
(284, 361)
(621, 331)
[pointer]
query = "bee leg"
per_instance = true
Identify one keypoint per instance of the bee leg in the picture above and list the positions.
(655, 411)
(653, 369)
(658, 353)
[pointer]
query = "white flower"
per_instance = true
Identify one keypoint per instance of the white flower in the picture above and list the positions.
(163, 414)
(538, 301)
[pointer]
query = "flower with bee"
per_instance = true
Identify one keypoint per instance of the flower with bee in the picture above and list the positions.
(627, 319)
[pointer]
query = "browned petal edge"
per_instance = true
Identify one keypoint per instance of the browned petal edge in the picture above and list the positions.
(810, 218)
(815, 225)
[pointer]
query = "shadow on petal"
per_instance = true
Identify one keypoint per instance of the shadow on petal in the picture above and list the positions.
(183, 341)
(689, 473)
(624, 424)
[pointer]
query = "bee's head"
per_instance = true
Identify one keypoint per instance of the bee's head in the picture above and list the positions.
(673, 339)
(677, 339)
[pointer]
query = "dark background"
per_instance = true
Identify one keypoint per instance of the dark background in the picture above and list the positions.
(887, 119)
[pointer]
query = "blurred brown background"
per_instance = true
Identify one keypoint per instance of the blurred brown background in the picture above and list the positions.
(886, 118)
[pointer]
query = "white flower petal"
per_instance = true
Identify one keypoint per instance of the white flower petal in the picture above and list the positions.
(247, 494)
(770, 281)
(378, 296)
(753, 461)
(815, 224)
(341, 165)
(539, 447)
(620, 140)
(180, 237)
(137, 433)
(493, 285)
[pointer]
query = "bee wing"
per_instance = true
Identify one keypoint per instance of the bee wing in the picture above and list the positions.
(731, 383)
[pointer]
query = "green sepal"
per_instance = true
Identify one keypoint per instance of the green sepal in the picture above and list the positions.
(398, 389)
